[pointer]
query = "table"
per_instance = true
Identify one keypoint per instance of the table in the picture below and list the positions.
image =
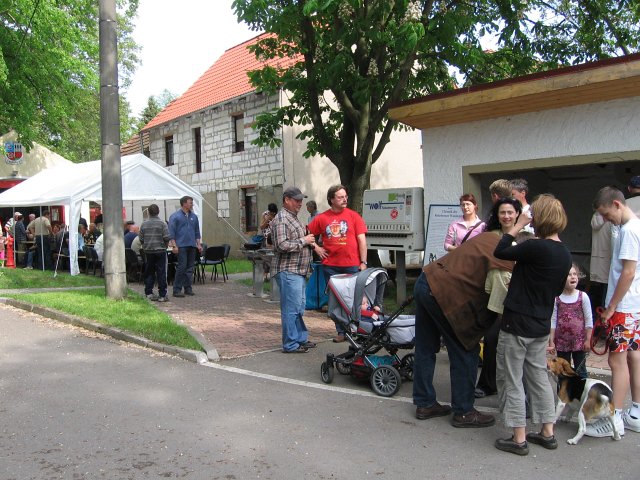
(257, 258)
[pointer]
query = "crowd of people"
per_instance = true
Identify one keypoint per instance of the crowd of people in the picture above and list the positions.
(508, 280)
(525, 308)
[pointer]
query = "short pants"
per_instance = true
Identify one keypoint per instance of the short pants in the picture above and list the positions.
(625, 332)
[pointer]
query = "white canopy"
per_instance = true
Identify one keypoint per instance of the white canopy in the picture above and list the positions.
(70, 185)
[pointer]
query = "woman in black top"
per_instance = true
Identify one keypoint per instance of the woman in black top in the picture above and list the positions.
(541, 270)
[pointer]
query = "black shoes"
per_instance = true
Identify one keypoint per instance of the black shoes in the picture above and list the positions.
(190, 293)
(309, 344)
(178, 294)
(550, 443)
(435, 410)
(508, 445)
(472, 419)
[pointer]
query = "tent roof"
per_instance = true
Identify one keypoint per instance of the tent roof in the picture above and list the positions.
(142, 179)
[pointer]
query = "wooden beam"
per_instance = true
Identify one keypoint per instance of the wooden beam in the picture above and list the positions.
(605, 83)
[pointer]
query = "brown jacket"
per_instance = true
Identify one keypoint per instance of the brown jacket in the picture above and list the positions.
(457, 283)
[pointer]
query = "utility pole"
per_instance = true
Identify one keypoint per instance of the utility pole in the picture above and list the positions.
(113, 258)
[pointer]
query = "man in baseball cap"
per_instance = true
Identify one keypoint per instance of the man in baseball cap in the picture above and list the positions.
(292, 247)
(293, 192)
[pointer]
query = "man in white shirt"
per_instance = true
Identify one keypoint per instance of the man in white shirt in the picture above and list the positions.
(622, 312)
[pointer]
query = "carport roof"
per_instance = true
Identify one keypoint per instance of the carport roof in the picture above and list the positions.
(592, 82)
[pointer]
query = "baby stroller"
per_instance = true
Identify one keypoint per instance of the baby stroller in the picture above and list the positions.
(366, 336)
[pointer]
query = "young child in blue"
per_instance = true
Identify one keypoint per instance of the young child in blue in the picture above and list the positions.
(572, 323)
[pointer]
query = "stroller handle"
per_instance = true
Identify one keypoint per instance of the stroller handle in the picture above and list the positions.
(407, 302)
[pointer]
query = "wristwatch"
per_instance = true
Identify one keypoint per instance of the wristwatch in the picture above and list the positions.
(363, 263)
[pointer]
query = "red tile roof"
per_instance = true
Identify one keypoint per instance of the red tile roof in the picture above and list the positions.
(133, 145)
(224, 80)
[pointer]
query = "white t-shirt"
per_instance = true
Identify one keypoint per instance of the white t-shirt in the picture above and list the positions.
(625, 240)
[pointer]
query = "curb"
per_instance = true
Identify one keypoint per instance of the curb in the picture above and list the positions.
(184, 353)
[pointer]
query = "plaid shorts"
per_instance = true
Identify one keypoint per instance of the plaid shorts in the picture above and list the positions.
(625, 333)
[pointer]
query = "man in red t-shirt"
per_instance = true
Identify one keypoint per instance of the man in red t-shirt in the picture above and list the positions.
(344, 245)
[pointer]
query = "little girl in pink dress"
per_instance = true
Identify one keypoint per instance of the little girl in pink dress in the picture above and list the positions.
(571, 324)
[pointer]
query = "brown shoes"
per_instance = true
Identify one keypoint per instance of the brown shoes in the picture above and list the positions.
(435, 410)
(472, 419)
(339, 339)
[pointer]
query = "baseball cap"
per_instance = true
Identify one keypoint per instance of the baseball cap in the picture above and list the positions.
(635, 181)
(294, 192)
(17, 214)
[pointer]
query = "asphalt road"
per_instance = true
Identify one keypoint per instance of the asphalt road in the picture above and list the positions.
(78, 406)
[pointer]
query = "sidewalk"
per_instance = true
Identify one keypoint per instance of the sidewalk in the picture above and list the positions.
(235, 322)
(238, 324)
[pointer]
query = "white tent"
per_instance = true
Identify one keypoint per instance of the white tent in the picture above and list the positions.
(70, 185)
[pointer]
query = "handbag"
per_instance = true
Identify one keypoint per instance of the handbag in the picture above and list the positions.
(601, 333)
(469, 232)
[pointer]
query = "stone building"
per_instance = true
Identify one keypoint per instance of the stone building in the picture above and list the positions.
(205, 138)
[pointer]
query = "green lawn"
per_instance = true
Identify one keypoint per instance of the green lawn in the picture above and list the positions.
(21, 278)
(134, 314)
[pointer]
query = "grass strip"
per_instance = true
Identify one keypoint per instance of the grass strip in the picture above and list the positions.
(22, 278)
(134, 314)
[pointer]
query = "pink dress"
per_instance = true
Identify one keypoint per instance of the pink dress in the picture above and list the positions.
(570, 326)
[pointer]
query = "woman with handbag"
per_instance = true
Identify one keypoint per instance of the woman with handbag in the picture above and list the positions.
(465, 228)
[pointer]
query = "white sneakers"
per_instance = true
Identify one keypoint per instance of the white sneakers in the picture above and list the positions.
(630, 423)
(602, 427)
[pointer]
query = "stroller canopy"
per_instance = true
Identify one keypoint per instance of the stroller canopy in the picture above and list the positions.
(347, 291)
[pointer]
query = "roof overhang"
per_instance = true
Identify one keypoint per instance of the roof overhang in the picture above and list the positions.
(600, 81)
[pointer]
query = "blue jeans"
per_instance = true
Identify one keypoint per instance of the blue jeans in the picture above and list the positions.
(332, 270)
(292, 302)
(184, 270)
(155, 268)
(430, 325)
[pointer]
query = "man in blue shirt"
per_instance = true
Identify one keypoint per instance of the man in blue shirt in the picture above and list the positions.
(184, 235)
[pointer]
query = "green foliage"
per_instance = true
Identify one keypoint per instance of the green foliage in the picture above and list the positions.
(49, 85)
(359, 57)
(155, 104)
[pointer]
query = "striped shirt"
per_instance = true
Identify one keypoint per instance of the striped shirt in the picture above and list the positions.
(154, 235)
(292, 254)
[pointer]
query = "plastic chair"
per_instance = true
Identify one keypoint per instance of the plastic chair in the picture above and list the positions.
(92, 260)
(133, 263)
(214, 256)
(227, 250)
(198, 266)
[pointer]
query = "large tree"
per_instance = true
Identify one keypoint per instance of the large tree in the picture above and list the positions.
(49, 84)
(359, 57)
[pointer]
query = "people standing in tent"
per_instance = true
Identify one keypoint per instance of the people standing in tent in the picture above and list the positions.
(41, 229)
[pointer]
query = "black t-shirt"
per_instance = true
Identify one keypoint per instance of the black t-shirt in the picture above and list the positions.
(538, 278)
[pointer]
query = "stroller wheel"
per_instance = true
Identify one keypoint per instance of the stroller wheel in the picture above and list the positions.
(343, 368)
(385, 381)
(406, 366)
(326, 372)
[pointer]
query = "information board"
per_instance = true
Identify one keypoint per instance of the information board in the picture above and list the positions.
(440, 216)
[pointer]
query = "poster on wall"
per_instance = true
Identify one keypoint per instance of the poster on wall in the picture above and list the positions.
(440, 216)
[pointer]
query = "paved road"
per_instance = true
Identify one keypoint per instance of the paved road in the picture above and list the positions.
(74, 406)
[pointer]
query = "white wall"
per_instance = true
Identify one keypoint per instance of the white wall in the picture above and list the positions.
(603, 129)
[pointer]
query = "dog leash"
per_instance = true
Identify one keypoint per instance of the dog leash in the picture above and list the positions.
(601, 329)
(579, 366)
